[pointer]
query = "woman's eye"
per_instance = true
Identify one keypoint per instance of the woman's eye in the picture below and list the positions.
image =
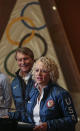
(37, 70)
(44, 71)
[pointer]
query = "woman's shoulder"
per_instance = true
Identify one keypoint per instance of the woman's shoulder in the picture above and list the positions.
(59, 90)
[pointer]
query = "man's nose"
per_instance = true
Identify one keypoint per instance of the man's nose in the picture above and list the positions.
(23, 61)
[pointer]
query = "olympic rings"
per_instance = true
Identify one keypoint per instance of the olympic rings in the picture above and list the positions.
(22, 12)
(12, 22)
(26, 38)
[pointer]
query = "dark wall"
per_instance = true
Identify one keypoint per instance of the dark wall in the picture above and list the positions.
(61, 43)
(6, 7)
(69, 11)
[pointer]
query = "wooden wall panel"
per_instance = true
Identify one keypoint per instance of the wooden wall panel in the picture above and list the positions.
(69, 11)
(6, 7)
(62, 45)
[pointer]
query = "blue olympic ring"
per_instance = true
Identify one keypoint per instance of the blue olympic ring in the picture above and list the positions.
(25, 23)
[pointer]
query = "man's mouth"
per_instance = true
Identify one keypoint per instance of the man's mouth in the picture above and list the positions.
(25, 65)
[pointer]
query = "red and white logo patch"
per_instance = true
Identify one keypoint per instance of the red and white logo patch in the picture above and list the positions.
(50, 103)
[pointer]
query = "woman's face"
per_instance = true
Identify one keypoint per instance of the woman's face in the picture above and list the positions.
(41, 74)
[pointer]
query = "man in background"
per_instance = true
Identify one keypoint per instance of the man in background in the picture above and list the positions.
(5, 94)
(25, 59)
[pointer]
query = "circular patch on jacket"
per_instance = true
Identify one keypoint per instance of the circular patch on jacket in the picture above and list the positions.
(50, 103)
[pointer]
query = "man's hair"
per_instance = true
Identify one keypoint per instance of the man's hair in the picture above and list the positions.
(26, 51)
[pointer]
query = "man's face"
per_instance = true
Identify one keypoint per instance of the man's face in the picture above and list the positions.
(24, 61)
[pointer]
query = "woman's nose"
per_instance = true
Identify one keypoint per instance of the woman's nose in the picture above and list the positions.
(39, 72)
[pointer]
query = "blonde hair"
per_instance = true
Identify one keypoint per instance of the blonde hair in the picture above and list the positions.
(50, 66)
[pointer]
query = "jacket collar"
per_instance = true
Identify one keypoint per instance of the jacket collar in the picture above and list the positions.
(18, 73)
(47, 88)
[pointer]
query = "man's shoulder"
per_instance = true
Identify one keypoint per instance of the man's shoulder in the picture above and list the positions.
(3, 76)
(15, 80)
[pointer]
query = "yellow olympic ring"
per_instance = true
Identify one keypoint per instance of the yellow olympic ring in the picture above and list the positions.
(12, 22)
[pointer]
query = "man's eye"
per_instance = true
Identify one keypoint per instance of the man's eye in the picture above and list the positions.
(22, 59)
(25, 58)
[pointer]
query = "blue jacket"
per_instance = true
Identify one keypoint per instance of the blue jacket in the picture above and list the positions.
(60, 115)
(20, 95)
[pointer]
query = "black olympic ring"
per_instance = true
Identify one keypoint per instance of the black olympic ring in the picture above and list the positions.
(39, 36)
